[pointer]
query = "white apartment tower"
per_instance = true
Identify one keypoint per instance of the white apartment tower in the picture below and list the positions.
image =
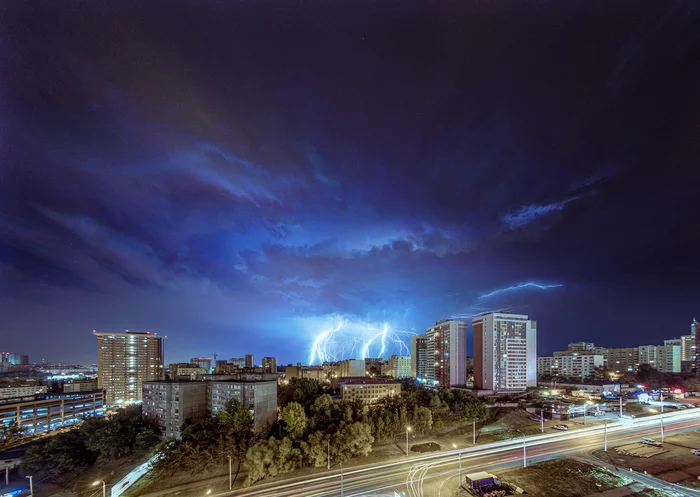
(447, 352)
(505, 352)
(125, 361)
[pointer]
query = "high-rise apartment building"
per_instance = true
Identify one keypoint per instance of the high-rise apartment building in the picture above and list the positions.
(447, 352)
(125, 361)
(419, 356)
(695, 333)
(202, 362)
(269, 365)
(505, 352)
(14, 359)
(238, 362)
(249, 361)
(400, 366)
(623, 360)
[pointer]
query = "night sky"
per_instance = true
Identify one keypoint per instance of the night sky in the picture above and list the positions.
(241, 176)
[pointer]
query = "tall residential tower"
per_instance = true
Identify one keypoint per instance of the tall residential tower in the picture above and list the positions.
(447, 352)
(505, 352)
(125, 361)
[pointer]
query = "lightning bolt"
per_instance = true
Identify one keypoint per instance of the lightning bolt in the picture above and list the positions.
(343, 340)
(520, 286)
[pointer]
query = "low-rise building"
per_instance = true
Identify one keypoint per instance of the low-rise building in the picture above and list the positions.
(168, 404)
(10, 391)
(352, 367)
(80, 385)
(191, 372)
(49, 412)
(368, 389)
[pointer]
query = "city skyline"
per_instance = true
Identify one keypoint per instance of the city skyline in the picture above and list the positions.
(244, 179)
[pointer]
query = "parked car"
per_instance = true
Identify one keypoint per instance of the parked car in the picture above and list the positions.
(650, 441)
(695, 452)
(561, 427)
(535, 418)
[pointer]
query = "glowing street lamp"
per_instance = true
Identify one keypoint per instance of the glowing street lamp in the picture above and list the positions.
(104, 487)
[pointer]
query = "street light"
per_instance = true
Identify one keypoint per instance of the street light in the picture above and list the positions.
(474, 420)
(329, 454)
(661, 417)
(524, 449)
(408, 428)
(230, 482)
(605, 443)
(104, 487)
(31, 486)
(460, 465)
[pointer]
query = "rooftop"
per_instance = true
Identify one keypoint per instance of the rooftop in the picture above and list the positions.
(368, 381)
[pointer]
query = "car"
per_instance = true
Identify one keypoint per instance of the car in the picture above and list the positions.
(695, 452)
(561, 427)
(650, 441)
(535, 418)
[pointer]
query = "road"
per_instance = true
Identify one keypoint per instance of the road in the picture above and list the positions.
(437, 474)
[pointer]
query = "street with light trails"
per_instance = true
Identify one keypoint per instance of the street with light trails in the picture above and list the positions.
(438, 474)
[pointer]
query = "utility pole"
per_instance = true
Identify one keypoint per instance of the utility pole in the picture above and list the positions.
(7, 476)
(329, 454)
(230, 481)
(620, 404)
(408, 428)
(524, 449)
(474, 431)
(585, 408)
(341, 479)
(31, 486)
(605, 427)
(460, 468)
(662, 402)
(662, 428)
(542, 418)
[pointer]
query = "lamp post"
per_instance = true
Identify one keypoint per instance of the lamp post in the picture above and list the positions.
(460, 465)
(662, 402)
(408, 428)
(230, 481)
(661, 418)
(524, 449)
(104, 486)
(31, 486)
(474, 431)
(542, 418)
(605, 439)
(341, 479)
(329, 454)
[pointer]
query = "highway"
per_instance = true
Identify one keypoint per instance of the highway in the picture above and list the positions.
(436, 474)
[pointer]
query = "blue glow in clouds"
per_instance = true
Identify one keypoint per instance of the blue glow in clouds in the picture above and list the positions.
(342, 336)
(521, 286)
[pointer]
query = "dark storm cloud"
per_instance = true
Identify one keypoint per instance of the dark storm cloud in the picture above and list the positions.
(218, 172)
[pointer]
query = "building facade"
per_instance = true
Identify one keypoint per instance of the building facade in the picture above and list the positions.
(249, 361)
(269, 365)
(368, 390)
(351, 367)
(505, 352)
(447, 353)
(125, 361)
(52, 411)
(14, 359)
(168, 404)
(623, 360)
(202, 362)
(258, 396)
(400, 366)
(419, 356)
(573, 366)
(10, 391)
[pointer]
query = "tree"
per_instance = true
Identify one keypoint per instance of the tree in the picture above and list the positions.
(316, 449)
(351, 440)
(295, 418)
(301, 390)
(421, 420)
(692, 384)
(61, 459)
(649, 376)
(237, 422)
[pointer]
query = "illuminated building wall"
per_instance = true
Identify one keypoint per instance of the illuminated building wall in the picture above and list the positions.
(125, 361)
(400, 366)
(368, 389)
(52, 411)
(202, 362)
(505, 352)
(447, 353)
